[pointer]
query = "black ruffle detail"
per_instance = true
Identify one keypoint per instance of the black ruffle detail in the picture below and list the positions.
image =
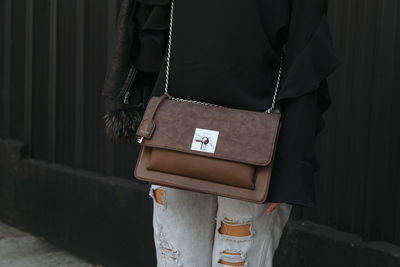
(313, 64)
(152, 20)
(309, 69)
(293, 191)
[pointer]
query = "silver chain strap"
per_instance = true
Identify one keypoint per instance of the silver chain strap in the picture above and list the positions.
(200, 102)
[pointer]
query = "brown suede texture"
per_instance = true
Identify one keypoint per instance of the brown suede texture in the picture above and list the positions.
(244, 136)
(147, 125)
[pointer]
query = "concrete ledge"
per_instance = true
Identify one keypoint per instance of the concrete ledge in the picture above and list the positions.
(108, 220)
(20, 249)
(307, 244)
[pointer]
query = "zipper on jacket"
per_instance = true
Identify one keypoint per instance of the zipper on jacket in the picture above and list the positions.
(125, 91)
(126, 97)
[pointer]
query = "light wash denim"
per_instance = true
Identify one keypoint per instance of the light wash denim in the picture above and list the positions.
(186, 230)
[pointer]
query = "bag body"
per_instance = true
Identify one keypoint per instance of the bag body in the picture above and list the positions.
(207, 148)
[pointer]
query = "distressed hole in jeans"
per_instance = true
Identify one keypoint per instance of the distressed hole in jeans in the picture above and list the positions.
(235, 229)
(170, 254)
(232, 258)
(158, 195)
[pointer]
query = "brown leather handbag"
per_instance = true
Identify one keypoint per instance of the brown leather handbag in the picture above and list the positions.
(207, 148)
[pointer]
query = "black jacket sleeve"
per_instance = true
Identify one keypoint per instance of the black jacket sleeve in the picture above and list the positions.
(303, 98)
(139, 44)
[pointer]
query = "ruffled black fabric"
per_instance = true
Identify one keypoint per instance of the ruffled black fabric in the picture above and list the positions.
(307, 65)
(304, 96)
(152, 24)
(305, 68)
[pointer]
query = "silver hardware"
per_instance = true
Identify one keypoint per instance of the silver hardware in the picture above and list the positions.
(269, 110)
(128, 82)
(126, 97)
(194, 102)
(276, 87)
(204, 140)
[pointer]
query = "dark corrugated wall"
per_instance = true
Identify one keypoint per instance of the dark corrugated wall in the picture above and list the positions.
(53, 61)
(358, 185)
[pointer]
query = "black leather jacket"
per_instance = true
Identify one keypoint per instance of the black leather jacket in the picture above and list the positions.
(128, 71)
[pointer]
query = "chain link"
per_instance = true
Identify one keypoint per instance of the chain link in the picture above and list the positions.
(276, 86)
(195, 102)
(269, 110)
(169, 46)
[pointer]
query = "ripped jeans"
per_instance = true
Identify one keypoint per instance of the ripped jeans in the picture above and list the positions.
(185, 232)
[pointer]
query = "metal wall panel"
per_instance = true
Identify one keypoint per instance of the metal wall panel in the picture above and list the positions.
(357, 186)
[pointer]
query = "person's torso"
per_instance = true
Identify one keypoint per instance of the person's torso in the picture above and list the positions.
(221, 54)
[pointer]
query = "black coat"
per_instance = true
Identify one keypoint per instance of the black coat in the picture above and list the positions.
(228, 53)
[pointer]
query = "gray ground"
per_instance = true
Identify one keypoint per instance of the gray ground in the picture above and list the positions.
(21, 249)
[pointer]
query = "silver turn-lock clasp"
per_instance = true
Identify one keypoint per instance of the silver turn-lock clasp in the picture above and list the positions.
(204, 141)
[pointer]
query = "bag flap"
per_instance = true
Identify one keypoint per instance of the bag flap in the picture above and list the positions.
(219, 132)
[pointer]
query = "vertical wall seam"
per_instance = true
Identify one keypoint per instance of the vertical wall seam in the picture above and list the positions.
(28, 76)
(6, 96)
(384, 67)
(52, 80)
(79, 86)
